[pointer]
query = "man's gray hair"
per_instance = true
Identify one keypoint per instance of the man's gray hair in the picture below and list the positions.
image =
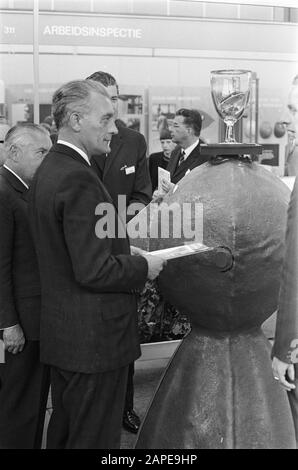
(72, 97)
(21, 133)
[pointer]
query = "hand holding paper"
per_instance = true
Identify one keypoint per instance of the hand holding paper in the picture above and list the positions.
(135, 251)
(166, 186)
(164, 177)
(155, 265)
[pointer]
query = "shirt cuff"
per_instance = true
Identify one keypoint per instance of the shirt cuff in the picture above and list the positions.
(9, 327)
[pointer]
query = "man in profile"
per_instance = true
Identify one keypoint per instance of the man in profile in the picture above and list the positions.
(88, 319)
(23, 380)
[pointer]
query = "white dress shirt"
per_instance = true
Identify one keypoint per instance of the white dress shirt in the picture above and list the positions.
(17, 176)
(189, 149)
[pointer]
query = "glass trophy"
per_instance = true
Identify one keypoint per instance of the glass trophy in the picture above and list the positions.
(230, 90)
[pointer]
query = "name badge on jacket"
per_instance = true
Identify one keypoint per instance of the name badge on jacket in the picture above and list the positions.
(129, 170)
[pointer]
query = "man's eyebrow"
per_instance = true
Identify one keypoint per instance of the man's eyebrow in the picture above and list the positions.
(107, 115)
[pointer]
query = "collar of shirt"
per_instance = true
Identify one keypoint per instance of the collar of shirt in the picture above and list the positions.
(189, 149)
(77, 149)
(17, 176)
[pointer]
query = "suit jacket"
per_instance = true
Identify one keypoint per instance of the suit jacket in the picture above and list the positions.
(19, 276)
(125, 170)
(286, 336)
(88, 314)
(156, 160)
(193, 160)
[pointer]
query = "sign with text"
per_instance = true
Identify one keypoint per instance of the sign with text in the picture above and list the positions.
(98, 30)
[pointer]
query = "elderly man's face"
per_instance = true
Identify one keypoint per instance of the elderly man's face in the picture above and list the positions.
(98, 126)
(33, 153)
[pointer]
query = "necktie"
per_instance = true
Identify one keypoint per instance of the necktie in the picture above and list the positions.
(181, 158)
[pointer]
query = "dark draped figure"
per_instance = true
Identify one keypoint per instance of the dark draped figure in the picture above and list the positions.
(218, 390)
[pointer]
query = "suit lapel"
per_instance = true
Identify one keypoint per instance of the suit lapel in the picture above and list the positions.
(13, 181)
(193, 160)
(172, 165)
(116, 144)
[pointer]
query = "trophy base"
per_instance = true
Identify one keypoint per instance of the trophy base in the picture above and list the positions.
(231, 149)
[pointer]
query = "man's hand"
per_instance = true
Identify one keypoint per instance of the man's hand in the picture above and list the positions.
(166, 186)
(158, 196)
(283, 371)
(135, 251)
(155, 265)
(14, 339)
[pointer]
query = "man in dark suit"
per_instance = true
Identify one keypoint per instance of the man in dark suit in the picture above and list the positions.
(185, 132)
(125, 174)
(88, 277)
(285, 349)
(23, 380)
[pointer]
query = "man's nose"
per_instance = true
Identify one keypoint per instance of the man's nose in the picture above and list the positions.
(113, 129)
(286, 116)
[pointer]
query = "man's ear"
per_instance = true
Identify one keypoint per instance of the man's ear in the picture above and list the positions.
(75, 121)
(15, 153)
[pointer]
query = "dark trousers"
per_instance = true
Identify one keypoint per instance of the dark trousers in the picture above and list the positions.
(24, 387)
(130, 388)
(87, 409)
